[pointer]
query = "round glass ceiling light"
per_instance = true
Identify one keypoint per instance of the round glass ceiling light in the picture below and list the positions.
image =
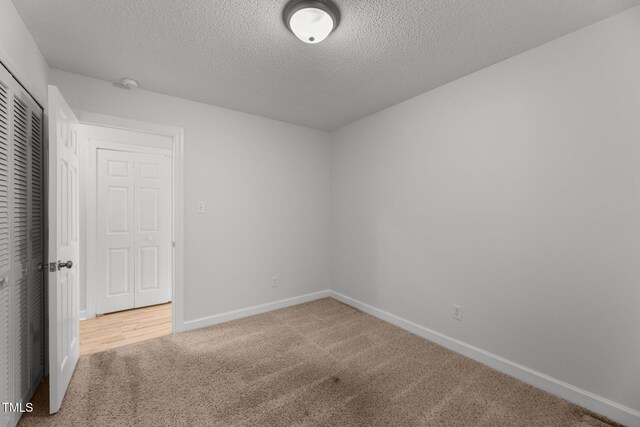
(311, 20)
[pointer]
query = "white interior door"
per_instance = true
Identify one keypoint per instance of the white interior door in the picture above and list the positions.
(153, 229)
(64, 340)
(133, 241)
(115, 232)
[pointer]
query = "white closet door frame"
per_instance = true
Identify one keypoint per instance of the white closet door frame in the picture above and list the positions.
(177, 216)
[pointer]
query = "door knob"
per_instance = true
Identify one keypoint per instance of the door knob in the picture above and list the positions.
(67, 264)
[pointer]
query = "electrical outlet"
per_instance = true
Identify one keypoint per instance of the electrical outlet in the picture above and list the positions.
(457, 312)
(201, 207)
(274, 282)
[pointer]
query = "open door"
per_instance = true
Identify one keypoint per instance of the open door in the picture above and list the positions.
(64, 321)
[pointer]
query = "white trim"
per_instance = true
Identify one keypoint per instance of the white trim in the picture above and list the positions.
(129, 148)
(177, 137)
(103, 120)
(250, 311)
(83, 314)
(586, 399)
(598, 404)
(24, 80)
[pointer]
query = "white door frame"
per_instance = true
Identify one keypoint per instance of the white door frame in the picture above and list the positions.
(177, 175)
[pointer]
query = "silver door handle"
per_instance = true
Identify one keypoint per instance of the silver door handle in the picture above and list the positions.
(67, 264)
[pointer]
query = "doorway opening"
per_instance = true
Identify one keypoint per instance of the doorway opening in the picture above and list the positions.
(128, 231)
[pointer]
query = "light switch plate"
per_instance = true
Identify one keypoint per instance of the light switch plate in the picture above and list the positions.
(457, 312)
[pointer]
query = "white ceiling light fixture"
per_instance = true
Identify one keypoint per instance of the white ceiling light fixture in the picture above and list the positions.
(311, 20)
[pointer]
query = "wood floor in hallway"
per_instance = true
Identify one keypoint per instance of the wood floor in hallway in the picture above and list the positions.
(124, 327)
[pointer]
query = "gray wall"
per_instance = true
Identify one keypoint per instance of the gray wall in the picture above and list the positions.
(19, 52)
(266, 184)
(515, 193)
(512, 192)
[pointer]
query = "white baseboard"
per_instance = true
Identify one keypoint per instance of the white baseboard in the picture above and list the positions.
(591, 401)
(598, 404)
(83, 314)
(250, 311)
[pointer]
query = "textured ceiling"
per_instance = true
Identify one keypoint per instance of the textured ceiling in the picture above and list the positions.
(239, 55)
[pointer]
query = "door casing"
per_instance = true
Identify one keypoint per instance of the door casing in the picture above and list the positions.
(177, 186)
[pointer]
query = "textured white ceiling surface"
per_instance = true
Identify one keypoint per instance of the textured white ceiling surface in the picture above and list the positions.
(239, 54)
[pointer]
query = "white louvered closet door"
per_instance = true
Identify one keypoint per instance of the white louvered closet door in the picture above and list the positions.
(21, 245)
(5, 322)
(36, 239)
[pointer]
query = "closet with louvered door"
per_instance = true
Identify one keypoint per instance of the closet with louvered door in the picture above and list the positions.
(21, 245)
(5, 331)
(36, 240)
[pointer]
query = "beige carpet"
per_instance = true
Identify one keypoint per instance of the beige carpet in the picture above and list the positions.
(318, 364)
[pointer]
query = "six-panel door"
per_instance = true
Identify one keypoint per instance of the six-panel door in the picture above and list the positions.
(133, 230)
(64, 246)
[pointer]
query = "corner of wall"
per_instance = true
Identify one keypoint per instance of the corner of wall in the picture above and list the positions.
(20, 53)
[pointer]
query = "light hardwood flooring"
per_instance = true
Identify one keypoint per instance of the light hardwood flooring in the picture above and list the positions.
(124, 327)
